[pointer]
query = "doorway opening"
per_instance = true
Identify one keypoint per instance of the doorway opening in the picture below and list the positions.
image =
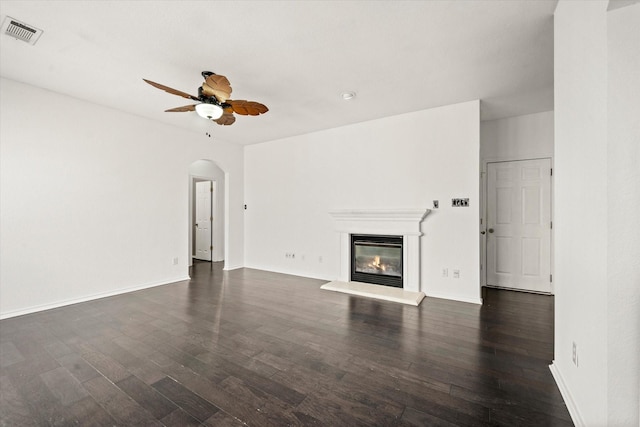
(207, 222)
(205, 200)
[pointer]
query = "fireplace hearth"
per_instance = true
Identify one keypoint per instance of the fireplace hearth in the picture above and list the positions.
(377, 259)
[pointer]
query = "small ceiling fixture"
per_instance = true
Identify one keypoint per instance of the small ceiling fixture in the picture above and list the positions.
(209, 111)
(348, 95)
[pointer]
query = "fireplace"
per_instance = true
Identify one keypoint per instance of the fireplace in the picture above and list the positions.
(377, 259)
(400, 223)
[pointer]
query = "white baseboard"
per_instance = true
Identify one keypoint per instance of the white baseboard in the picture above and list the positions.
(288, 272)
(566, 395)
(454, 298)
(57, 304)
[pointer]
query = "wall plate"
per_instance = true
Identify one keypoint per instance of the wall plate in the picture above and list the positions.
(458, 203)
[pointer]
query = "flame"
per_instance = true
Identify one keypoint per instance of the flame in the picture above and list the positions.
(376, 264)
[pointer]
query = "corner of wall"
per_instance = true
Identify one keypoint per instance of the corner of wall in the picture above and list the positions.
(566, 395)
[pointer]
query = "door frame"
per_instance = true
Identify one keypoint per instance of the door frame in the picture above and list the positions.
(484, 190)
(194, 215)
(222, 239)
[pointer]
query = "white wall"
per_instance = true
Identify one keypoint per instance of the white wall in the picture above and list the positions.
(515, 138)
(405, 161)
(596, 205)
(581, 205)
(623, 199)
(94, 201)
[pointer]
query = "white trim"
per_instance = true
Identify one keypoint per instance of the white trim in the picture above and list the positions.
(227, 218)
(380, 214)
(305, 275)
(404, 222)
(454, 298)
(92, 297)
(192, 202)
(566, 395)
(506, 288)
(231, 267)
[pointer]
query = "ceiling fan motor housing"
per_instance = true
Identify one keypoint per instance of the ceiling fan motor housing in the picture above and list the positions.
(207, 99)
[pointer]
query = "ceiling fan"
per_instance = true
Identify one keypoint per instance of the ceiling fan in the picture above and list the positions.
(213, 100)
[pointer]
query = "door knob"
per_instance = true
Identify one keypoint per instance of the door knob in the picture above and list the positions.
(491, 230)
(483, 232)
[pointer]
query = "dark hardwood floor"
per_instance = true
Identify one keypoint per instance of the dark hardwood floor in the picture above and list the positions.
(249, 347)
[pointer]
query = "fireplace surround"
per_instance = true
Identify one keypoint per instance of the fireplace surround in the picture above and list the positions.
(404, 223)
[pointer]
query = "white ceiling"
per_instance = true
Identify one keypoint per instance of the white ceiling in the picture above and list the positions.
(295, 57)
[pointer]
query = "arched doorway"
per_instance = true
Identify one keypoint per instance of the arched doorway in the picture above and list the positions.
(208, 171)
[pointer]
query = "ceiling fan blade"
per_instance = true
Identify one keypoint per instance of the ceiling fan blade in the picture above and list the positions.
(218, 86)
(171, 90)
(181, 109)
(226, 119)
(247, 108)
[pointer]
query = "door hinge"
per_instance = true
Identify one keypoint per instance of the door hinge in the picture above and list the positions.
(210, 189)
(210, 218)
(551, 171)
(551, 224)
(551, 277)
(210, 248)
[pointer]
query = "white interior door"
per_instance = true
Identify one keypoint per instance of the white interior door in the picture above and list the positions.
(203, 220)
(518, 226)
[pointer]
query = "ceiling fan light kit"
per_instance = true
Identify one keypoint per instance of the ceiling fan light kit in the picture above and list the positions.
(209, 111)
(214, 103)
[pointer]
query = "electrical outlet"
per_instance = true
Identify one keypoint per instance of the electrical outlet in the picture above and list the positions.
(574, 356)
(435, 204)
(456, 274)
(175, 261)
(445, 272)
(320, 259)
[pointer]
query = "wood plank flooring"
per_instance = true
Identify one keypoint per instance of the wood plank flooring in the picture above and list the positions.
(249, 347)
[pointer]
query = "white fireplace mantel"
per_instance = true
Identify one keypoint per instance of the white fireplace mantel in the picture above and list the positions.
(389, 222)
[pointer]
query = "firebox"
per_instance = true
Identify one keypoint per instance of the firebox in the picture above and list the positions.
(376, 259)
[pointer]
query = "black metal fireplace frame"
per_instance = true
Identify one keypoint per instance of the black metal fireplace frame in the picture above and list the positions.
(376, 279)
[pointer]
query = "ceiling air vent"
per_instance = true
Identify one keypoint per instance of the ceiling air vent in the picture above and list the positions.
(20, 31)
